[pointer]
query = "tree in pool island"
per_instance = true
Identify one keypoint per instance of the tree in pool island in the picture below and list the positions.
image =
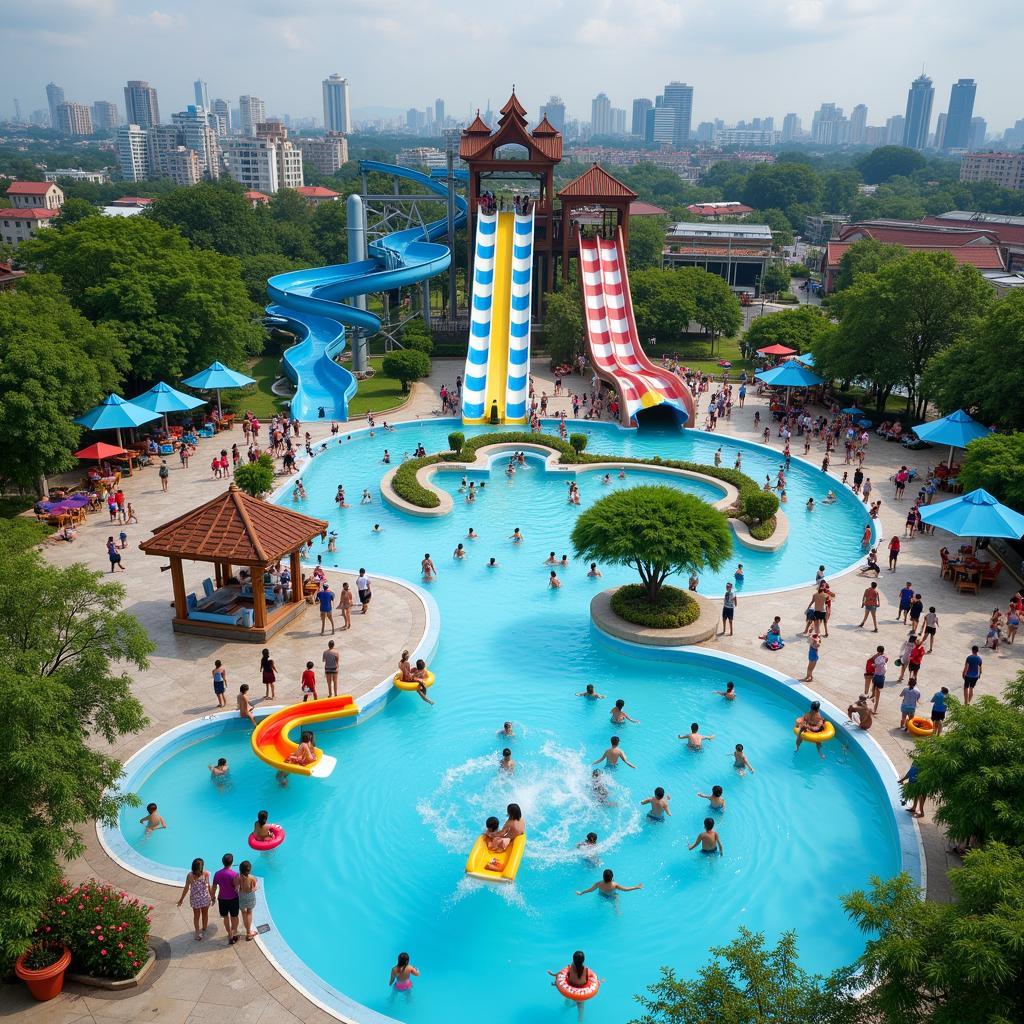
(68, 652)
(657, 530)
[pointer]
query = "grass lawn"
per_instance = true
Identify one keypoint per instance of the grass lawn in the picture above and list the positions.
(262, 402)
(379, 392)
(695, 352)
(13, 505)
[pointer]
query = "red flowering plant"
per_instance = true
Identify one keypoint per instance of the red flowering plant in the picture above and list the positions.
(106, 930)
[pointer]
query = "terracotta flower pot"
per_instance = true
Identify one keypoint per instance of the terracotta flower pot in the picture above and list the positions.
(45, 983)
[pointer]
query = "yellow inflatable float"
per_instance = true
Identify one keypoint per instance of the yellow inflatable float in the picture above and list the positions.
(505, 864)
(413, 684)
(826, 734)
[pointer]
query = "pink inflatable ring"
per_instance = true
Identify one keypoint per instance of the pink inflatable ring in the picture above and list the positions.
(267, 844)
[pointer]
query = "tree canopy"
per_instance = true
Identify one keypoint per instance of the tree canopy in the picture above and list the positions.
(563, 324)
(666, 302)
(864, 257)
(887, 162)
(782, 185)
(646, 241)
(996, 463)
(800, 328)
(657, 530)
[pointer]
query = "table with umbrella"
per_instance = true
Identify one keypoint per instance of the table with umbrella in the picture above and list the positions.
(789, 375)
(114, 413)
(218, 377)
(957, 430)
(162, 398)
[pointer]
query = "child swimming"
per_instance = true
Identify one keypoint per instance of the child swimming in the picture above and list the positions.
(658, 804)
(709, 841)
(695, 738)
(714, 798)
(619, 715)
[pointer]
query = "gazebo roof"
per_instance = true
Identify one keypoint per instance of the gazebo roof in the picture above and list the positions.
(596, 183)
(477, 127)
(544, 144)
(233, 527)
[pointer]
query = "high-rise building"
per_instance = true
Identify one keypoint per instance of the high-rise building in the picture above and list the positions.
(828, 126)
(251, 112)
(198, 136)
(54, 97)
(940, 132)
(918, 117)
(790, 127)
(337, 117)
(554, 111)
(979, 129)
(414, 120)
(705, 133)
(961, 110)
(1003, 169)
(1014, 136)
(202, 94)
(182, 166)
(876, 135)
(661, 123)
(618, 121)
(287, 155)
(140, 104)
(894, 130)
(162, 141)
(132, 154)
(679, 97)
(74, 119)
(858, 122)
(439, 115)
(638, 127)
(600, 115)
(105, 115)
(327, 154)
(221, 113)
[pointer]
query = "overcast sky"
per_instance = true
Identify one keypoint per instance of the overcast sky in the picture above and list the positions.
(744, 58)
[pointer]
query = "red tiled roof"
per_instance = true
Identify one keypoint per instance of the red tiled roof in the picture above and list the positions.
(8, 275)
(477, 127)
(596, 182)
(255, 196)
(1012, 234)
(316, 191)
(544, 128)
(719, 209)
(920, 234)
(36, 213)
(638, 208)
(30, 188)
(985, 257)
(513, 106)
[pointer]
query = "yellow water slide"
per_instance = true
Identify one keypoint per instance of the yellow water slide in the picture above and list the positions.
(497, 357)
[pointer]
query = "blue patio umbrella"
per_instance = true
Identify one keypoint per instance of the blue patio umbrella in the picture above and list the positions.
(853, 410)
(163, 398)
(216, 377)
(957, 430)
(114, 413)
(807, 359)
(790, 375)
(977, 514)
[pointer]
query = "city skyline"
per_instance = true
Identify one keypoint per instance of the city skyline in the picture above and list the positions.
(83, 46)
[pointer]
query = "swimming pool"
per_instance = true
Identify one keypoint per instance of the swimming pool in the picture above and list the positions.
(375, 854)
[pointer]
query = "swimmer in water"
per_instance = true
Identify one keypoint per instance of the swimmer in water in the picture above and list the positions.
(427, 567)
(622, 474)
(613, 755)
(516, 537)
(554, 583)
(564, 561)
(492, 837)
(589, 692)
(459, 552)
(367, 497)
(740, 762)
(608, 886)
(619, 716)
(594, 572)
(402, 974)
(738, 574)
(591, 840)
(220, 769)
(472, 535)
(659, 805)
(714, 798)
(261, 830)
(599, 789)
(709, 841)
(607, 478)
(695, 739)
(506, 730)
(551, 559)
(492, 564)
(729, 693)
(506, 764)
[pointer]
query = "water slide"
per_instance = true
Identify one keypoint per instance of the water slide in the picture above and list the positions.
(272, 742)
(615, 350)
(498, 359)
(312, 303)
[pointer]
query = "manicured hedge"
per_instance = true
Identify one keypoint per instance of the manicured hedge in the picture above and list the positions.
(407, 487)
(674, 607)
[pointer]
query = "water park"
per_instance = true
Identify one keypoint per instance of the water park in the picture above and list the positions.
(435, 729)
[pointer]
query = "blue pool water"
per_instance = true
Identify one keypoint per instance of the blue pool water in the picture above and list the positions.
(374, 859)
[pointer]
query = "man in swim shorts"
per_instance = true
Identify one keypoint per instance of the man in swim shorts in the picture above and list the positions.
(613, 755)
(709, 840)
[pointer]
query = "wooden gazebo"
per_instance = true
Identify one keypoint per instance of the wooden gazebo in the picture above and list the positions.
(594, 196)
(244, 538)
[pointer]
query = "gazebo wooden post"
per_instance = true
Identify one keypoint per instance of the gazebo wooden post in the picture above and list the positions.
(216, 575)
(259, 597)
(227, 572)
(297, 588)
(178, 584)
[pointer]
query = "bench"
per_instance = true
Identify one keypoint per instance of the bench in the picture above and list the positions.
(233, 619)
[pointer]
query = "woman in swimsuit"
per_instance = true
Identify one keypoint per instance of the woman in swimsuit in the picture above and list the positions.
(305, 753)
(577, 976)
(245, 885)
(269, 672)
(197, 888)
(261, 830)
(405, 668)
(402, 974)
(811, 722)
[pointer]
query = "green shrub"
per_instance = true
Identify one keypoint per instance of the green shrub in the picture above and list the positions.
(41, 956)
(417, 343)
(672, 608)
(106, 931)
(578, 442)
(786, 299)
(456, 439)
(407, 487)
(760, 506)
(256, 478)
(406, 366)
(762, 531)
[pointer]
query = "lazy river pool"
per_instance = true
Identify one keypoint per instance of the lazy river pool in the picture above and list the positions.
(374, 858)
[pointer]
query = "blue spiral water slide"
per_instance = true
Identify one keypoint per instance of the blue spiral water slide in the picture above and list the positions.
(312, 302)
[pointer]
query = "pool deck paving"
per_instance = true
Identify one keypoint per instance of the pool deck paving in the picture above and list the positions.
(210, 981)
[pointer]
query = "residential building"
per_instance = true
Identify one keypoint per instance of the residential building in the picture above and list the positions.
(679, 97)
(738, 253)
(746, 137)
(618, 121)
(202, 94)
(135, 203)
(1013, 137)
(327, 154)
(705, 133)
(132, 152)
(940, 132)
(894, 127)
(316, 194)
(17, 225)
(791, 130)
(201, 138)
(638, 125)
(54, 98)
(221, 113)
(661, 124)
(858, 124)
(266, 163)
(140, 104)
(182, 166)
(35, 195)
(414, 120)
(1003, 169)
(876, 135)
(824, 125)
(918, 117)
(75, 174)
(554, 111)
(337, 116)
(421, 156)
(74, 119)
(716, 211)
(958, 118)
(256, 198)
(162, 142)
(251, 112)
(819, 228)
(600, 115)
(979, 129)
(105, 115)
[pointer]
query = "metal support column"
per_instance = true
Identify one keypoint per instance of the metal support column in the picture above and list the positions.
(355, 213)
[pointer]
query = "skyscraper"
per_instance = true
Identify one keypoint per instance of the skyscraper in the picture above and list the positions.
(825, 125)
(638, 127)
(439, 115)
(961, 110)
(140, 104)
(251, 111)
(790, 127)
(600, 115)
(202, 94)
(54, 97)
(197, 135)
(894, 130)
(858, 122)
(661, 123)
(74, 119)
(979, 129)
(554, 111)
(105, 115)
(679, 97)
(132, 153)
(221, 113)
(618, 121)
(940, 131)
(918, 117)
(337, 117)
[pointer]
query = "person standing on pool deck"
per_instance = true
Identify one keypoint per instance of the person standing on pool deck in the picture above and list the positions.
(220, 680)
(268, 671)
(331, 659)
(971, 673)
(346, 605)
(308, 683)
(909, 696)
(325, 598)
(938, 702)
(224, 891)
(878, 666)
(729, 602)
(812, 657)
(709, 840)
(906, 598)
(894, 553)
(197, 888)
(363, 586)
(402, 974)
(869, 601)
(613, 755)
(658, 804)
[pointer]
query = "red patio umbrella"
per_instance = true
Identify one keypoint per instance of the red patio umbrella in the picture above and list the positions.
(100, 451)
(776, 350)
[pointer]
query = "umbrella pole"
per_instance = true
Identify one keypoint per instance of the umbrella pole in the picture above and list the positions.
(949, 461)
(119, 445)
(220, 411)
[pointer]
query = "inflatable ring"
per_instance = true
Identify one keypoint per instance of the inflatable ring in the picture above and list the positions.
(267, 844)
(921, 726)
(409, 686)
(577, 993)
(824, 736)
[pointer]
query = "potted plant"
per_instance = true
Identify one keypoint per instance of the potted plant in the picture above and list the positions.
(42, 968)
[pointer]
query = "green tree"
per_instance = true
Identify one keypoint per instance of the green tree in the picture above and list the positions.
(746, 983)
(996, 463)
(888, 162)
(775, 278)
(329, 232)
(256, 270)
(73, 211)
(68, 652)
(664, 301)
(782, 185)
(256, 478)
(782, 230)
(799, 329)
(406, 366)
(864, 257)
(646, 241)
(716, 308)
(839, 189)
(656, 530)
(983, 371)
(54, 364)
(563, 325)
(929, 962)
